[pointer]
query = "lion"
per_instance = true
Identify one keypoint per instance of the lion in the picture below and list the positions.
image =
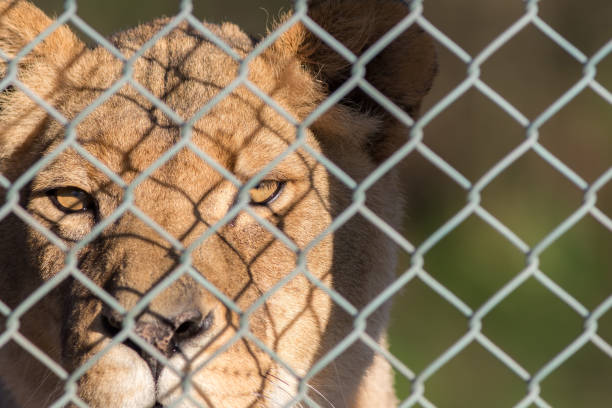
(194, 205)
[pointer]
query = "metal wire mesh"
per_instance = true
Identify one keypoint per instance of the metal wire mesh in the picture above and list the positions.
(417, 142)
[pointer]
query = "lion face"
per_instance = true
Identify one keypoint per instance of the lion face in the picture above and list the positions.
(185, 227)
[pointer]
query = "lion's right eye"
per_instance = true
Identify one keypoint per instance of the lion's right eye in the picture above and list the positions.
(266, 192)
(71, 200)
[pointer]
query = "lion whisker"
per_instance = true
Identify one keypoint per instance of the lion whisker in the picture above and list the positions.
(316, 391)
(276, 403)
(321, 395)
(280, 387)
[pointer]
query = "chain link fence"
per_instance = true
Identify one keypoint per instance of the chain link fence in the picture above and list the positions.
(415, 254)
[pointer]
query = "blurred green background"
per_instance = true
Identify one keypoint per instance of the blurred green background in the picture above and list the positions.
(474, 261)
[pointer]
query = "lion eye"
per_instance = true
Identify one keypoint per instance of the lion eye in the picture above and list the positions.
(265, 192)
(71, 199)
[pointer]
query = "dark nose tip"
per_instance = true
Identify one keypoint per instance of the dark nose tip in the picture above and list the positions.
(190, 324)
(164, 334)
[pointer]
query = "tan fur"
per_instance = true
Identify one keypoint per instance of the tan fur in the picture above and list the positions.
(187, 197)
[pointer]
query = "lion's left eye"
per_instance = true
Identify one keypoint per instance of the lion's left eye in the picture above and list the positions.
(71, 200)
(266, 192)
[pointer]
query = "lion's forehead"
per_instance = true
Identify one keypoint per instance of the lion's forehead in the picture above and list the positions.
(185, 69)
(129, 141)
(181, 90)
(181, 87)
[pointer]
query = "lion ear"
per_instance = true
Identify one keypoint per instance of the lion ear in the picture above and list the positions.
(21, 22)
(403, 71)
(40, 71)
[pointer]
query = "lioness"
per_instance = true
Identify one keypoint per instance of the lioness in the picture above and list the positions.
(232, 275)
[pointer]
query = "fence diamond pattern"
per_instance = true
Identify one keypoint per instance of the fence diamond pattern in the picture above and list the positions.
(417, 142)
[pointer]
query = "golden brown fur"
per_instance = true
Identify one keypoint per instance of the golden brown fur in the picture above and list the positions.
(187, 196)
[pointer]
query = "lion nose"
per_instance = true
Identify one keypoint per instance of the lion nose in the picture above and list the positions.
(165, 334)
